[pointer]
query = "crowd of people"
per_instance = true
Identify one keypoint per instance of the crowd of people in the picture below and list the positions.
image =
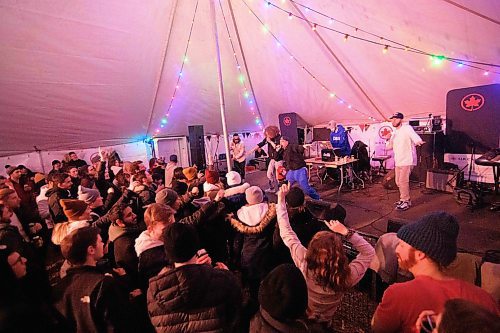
(167, 248)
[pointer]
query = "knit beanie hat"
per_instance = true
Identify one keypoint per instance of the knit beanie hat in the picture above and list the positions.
(254, 195)
(73, 209)
(283, 293)
(295, 197)
(179, 187)
(180, 241)
(233, 178)
(434, 234)
(89, 195)
(190, 173)
(212, 176)
(166, 197)
(39, 177)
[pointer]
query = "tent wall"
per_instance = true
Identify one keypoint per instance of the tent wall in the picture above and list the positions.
(168, 146)
(127, 152)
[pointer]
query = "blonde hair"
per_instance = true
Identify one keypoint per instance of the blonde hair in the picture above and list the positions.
(158, 213)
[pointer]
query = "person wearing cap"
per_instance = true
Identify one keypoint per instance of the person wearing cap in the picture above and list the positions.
(56, 167)
(403, 141)
(425, 248)
(192, 296)
(272, 139)
(237, 149)
(293, 157)
(339, 138)
(169, 170)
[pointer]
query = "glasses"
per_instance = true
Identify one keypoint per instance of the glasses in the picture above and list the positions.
(428, 324)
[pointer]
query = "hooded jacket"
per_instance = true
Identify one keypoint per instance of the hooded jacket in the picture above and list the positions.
(122, 240)
(256, 246)
(151, 256)
(340, 140)
(194, 298)
(56, 211)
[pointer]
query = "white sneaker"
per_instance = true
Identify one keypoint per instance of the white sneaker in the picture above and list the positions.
(404, 205)
(397, 203)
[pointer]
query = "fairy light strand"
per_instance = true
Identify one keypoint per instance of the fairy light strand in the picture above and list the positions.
(164, 120)
(246, 93)
(382, 41)
(331, 94)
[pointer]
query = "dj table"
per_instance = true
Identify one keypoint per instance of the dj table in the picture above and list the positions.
(344, 165)
(491, 158)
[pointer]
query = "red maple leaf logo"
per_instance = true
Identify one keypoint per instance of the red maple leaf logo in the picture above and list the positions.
(472, 102)
(384, 132)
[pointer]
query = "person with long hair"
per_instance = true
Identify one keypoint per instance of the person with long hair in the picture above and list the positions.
(324, 263)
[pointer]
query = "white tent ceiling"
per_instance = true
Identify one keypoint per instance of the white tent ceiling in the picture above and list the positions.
(86, 73)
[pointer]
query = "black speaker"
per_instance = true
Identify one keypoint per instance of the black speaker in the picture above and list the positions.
(197, 146)
(292, 126)
(429, 156)
(389, 180)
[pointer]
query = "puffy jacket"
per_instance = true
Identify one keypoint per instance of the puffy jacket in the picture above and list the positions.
(194, 298)
(256, 247)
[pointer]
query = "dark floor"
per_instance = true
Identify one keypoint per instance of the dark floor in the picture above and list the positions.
(369, 209)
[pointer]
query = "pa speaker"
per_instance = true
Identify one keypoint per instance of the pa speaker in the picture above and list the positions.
(197, 146)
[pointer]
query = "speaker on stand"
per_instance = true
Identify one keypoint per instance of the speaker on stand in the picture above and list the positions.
(197, 146)
(430, 155)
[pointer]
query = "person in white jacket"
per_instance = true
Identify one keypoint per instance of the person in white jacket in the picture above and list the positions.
(403, 141)
(237, 149)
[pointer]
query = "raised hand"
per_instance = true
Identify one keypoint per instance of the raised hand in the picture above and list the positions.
(283, 191)
(337, 227)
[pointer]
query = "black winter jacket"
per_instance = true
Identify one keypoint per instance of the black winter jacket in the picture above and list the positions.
(56, 211)
(194, 298)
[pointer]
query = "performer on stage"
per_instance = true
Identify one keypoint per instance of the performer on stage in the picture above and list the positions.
(403, 141)
(238, 153)
(339, 139)
(272, 139)
(293, 156)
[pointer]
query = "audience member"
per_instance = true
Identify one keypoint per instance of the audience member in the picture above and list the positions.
(283, 302)
(89, 300)
(192, 296)
(425, 247)
(75, 161)
(60, 190)
(169, 170)
(324, 263)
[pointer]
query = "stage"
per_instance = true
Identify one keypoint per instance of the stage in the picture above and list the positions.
(370, 209)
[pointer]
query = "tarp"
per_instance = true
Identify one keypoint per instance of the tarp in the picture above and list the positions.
(79, 74)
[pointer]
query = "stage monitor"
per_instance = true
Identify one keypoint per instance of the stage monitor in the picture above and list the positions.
(321, 134)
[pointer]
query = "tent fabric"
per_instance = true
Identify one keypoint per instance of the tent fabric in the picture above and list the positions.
(79, 74)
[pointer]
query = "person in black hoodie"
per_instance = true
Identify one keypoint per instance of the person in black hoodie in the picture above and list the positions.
(60, 190)
(302, 221)
(87, 299)
(293, 156)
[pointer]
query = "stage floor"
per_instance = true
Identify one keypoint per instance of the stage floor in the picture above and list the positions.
(369, 209)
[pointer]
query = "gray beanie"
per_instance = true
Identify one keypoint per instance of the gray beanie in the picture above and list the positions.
(89, 195)
(166, 197)
(435, 235)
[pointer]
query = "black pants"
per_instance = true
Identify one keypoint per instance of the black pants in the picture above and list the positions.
(239, 167)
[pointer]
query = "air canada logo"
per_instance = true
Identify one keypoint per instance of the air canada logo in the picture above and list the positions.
(287, 121)
(384, 132)
(472, 102)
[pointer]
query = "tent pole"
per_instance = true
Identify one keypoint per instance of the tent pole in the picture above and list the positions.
(339, 62)
(39, 152)
(221, 85)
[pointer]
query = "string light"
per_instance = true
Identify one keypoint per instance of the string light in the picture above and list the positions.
(314, 26)
(331, 94)
(386, 49)
(241, 76)
(380, 39)
(185, 59)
